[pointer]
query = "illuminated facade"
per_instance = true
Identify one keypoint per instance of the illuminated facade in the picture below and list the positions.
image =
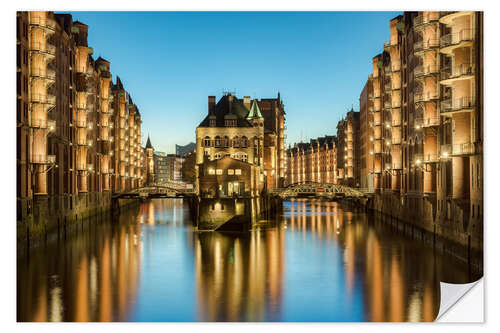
(248, 131)
(66, 159)
(315, 161)
(423, 152)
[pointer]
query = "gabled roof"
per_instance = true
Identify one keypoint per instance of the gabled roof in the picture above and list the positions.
(225, 109)
(254, 111)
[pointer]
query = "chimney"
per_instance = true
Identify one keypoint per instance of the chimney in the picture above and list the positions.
(246, 102)
(211, 104)
(230, 102)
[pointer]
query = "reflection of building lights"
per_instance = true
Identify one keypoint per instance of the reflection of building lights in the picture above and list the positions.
(417, 162)
(445, 154)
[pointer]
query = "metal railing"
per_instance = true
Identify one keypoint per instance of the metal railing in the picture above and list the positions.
(457, 37)
(396, 140)
(46, 48)
(43, 99)
(38, 123)
(43, 22)
(459, 149)
(425, 44)
(43, 73)
(426, 122)
(424, 19)
(458, 104)
(395, 66)
(43, 159)
(80, 123)
(425, 96)
(396, 122)
(425, 70)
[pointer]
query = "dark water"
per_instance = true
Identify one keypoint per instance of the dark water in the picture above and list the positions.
(319, 262)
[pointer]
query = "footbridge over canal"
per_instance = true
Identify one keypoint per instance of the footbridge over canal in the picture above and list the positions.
(321, 190)
(156, 191)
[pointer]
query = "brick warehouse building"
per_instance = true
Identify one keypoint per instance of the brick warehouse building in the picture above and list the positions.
(78, 134)
(315, 161)
(246, 130)
(420, 127)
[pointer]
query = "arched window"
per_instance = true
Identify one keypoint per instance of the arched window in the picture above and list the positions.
(244, 142)
(206, 141)
(236, 142)
(217, 141)
(226, 142)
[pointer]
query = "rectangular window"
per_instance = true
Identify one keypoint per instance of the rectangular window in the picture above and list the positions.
(219, 171)
(237, 172)
(211, 171)
(230, 171)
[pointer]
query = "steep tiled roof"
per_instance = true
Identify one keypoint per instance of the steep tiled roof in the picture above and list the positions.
(225, 109)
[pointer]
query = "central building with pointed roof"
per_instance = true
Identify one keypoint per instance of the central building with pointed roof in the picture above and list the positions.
(237, 146)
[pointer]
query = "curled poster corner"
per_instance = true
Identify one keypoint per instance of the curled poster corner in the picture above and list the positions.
(451, 294)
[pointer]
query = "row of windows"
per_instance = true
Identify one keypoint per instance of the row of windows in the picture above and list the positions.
(226, 142)
(219, 172)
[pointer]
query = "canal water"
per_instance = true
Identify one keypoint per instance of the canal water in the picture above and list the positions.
(319, 261)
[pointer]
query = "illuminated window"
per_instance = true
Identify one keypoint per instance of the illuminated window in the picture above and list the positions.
(211, 171)
(230, 171)
(219, 171)
(237, 171)
(244, 142)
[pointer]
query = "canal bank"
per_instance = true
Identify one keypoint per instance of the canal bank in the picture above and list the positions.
(450, 230)
(62, 214)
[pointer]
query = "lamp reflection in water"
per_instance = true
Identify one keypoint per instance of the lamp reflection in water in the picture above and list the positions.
(333, 263)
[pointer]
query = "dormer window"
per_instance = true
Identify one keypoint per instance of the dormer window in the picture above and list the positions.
(230, 122)
(212, 122)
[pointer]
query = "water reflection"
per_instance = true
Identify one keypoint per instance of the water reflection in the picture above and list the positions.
(319, 262)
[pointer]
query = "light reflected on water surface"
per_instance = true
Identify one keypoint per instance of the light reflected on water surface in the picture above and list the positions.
(320, 261)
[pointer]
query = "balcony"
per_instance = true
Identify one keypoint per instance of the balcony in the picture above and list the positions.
(462, 104)
(428, 96)
(39, 123)
(396, 66)
(460, 72)
(43, 159)
(81, 141)
(44, 23)
(462, 38)
(424, 45)
(43, 48)
(45, 74)
(426, 158)
(426, 122)
(422, 71)
(396, 140)
(448, 17)
(460, 149)
(422, 20)
(396, 122)
(81, 105)
(43, 99)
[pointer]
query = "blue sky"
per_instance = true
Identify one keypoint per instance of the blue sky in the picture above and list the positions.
(171, 61)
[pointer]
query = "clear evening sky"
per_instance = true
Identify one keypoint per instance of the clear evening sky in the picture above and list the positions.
(171, 61)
